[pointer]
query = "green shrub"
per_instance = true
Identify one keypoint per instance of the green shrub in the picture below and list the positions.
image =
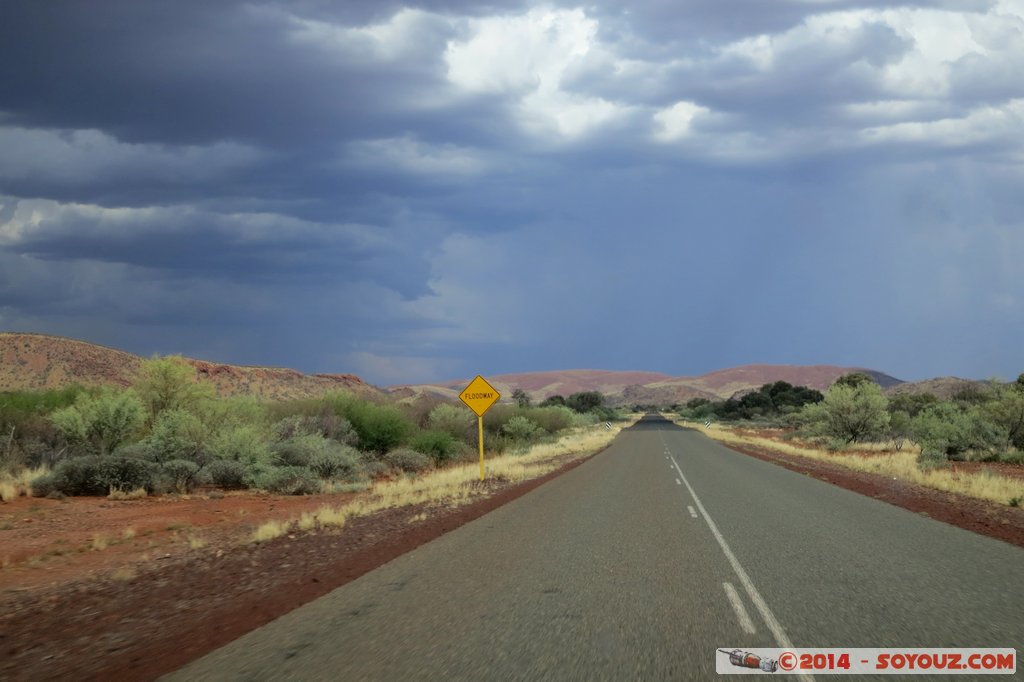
(170, 383)
(79, 476)
(325, 423)
(328, 459)
(853, 410)
(125, 474)
(141, 450)
(338, 461)
(931, 459)
(98, 424)
(520, 428)
(92, 475)
(227, 474)
(298, 450)
(179, 435)
(45, 485)
(439, 445)
(1012, 457)
(408, 460)
(179, 475)
(380, 428)
(456, 421)
(247, 444)
(289, 481)
(948, 429)
(375, 468)
(552, 419)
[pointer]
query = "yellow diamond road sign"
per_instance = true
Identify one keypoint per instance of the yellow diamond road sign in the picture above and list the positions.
(479, 395)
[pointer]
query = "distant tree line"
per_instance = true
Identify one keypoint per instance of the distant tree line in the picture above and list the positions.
(981, 423)
(584, 402)
(770, 402)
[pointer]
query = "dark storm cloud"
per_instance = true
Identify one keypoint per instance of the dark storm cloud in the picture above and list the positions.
(711, 21)
(200, 73)
(253, 248)
(427, 189)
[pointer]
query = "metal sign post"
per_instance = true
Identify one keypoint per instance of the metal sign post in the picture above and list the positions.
(479, 396)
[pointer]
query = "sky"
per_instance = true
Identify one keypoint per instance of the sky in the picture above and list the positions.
(415, 192)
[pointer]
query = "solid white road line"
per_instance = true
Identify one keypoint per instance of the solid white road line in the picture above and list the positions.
(762, 606)
(741, 611)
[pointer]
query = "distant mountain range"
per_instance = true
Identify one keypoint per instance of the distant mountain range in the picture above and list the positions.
(628, 388)
(37, 361)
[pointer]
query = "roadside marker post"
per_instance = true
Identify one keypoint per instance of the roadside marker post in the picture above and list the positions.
(479, 396)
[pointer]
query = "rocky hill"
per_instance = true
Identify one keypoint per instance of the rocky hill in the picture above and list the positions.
(38, 361)
(628, 388)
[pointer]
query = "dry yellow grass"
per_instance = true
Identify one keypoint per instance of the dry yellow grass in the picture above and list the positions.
(14, 485)
(455, 485)
(196, 542)
(270, 530)
(99, 542)
(983, 485)
(137, 494)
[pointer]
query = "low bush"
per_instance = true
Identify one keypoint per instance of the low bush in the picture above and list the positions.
(75, 476)
(93, 475)
(290, 481)
(45, 485)
(247, 444)
(373, 469)
(456, 421)
(179, 475)
(408, 460)
(125, 474)
(328, 459)
(141, 450)
(520, 428)
(338, 462)
(298, 450)
(930, 458)
(178, 435)
(380, 427)
(226, 474)
(1012, 457)
(98, 424)
(553, 418)
(441, 446)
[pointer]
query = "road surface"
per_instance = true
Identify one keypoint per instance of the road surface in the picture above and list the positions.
(638, 565)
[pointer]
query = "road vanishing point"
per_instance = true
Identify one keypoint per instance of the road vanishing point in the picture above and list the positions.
(638, 565)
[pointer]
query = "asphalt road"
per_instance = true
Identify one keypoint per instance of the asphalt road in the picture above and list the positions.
(639, 564)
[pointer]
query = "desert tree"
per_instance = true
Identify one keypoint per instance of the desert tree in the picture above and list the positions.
(521, 398)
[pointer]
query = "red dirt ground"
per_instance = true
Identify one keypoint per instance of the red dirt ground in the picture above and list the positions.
(147, 604)
(135, 611)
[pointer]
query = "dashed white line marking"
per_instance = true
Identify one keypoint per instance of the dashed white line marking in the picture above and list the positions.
(693, 512)
(741, 611)
(678, 482)
(762, 606)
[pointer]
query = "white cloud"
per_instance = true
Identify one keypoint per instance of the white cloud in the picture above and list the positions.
(1003, 123)
(676, 121)
(27, 219)
(527, 57)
